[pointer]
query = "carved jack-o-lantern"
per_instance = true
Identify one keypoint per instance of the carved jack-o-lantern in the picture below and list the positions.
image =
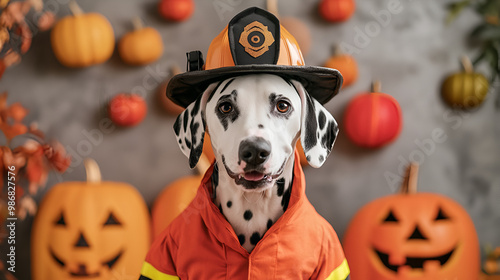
(90, 230)
(409, 235)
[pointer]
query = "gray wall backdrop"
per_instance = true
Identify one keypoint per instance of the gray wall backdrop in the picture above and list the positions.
(411, 55)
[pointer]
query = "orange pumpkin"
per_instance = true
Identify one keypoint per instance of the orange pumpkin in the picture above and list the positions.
(337, 10)
(176, 10)
(373, 119)
(346, 65)
(141, 46)
(90, 230)
(170, 107)
(172, 201)
(176, 197)
(82, 39)
(412, 236)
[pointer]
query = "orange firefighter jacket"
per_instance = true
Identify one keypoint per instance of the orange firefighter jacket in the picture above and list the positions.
(201, 244)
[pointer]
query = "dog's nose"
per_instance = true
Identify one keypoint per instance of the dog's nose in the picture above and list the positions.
(255, 150)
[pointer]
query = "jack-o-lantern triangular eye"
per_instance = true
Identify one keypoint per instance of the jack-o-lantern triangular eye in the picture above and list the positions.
(391, 218)
(112, 220)
(61, 221)
(441, 215)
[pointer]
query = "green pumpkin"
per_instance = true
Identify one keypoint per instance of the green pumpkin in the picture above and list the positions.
(465, 89)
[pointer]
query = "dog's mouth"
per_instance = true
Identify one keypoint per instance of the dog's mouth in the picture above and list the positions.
(253, 179)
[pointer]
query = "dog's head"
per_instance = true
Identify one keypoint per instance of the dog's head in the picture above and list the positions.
(254, 122)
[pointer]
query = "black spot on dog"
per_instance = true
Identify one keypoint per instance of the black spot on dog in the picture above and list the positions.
(273, 100)
(229, 204)
(214, 91)
(286, 196)
(321, 120)
(226, 85)
(310, 126)
(215, 181)
(269, 223)
(185, 119)
(329, 138)
(180, 141)
(248, 215)
(188, 143)
(241, 239)
(195, 154)
(231, 116)
(261, 126)
(321, 158)
(287, 81)
(196, 107)
(220, 209)
(194, 131)
(308, 158)
(281, 186)
(177, 125)
(255, 238)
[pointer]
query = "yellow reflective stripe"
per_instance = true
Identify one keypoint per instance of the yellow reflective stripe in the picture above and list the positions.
(339, 273)
(152, 273)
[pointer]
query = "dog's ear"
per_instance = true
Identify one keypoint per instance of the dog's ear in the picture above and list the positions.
(189, 128)
(318, 128)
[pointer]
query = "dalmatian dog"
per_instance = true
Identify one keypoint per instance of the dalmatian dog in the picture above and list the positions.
(254, 122)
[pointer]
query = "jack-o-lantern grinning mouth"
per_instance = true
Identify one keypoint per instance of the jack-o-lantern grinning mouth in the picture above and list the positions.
(413, 262)
(82, 270)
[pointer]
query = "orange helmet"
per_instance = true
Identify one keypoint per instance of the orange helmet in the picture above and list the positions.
(249, 45)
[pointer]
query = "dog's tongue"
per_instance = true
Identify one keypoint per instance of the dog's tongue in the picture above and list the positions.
(253, 176)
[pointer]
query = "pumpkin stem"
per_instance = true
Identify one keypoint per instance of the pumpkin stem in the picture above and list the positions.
(75, 9)
(203, 164)
(175, 70)
(137, 23)
(92, 169)
(272, 7)
(467, 64)
(376, 86)
(410, 181)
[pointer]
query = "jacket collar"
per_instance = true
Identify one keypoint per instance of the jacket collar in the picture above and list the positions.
(220, 227)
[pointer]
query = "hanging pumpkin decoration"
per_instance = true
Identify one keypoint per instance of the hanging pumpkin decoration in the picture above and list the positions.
(412, 236)
(373, 119)
(90, 230)
(141, 46)
(176, 10)
(176, 197)
(346, 64)
(82, 39)
(337, 10)
(295, 26)
(170, 107)
(466, 89)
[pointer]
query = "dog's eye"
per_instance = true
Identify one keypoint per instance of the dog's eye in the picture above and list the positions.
(225, 107)
(283, 106)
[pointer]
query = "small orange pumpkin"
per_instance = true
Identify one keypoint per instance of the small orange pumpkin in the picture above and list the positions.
(176, 10)
(412, 236)
(90, 230)
(466, 89)
(337, 10)
(82, 39)
(346, 65)
(176, 197)
(141, 46)
(170, 107)
(373, 119)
